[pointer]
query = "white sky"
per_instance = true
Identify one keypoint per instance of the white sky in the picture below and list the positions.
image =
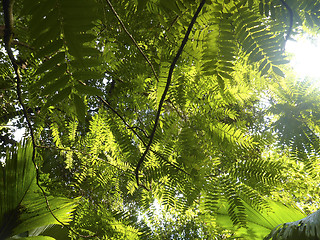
(19, 134)
(307, 57)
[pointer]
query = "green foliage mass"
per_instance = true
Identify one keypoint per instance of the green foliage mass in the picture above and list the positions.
(159, 119)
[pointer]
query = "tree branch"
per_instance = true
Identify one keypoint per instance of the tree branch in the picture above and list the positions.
(132, 128)
(291, 18)
(133, 40)
(7, 38)
(184, 41)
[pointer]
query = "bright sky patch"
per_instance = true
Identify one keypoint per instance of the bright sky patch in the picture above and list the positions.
(306, 60)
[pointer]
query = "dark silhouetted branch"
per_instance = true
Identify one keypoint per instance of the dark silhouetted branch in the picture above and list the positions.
(172, 66)
(290, 17)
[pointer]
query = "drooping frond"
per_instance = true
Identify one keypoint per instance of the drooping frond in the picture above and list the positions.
(297, 109)
(63, 32)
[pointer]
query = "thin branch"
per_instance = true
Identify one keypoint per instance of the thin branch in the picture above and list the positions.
(107, 104)
(8, 36)
(141, 130)
(176, 20)
(133, 40)
(184, 41)
(291, 18)
(114, 76)
(170, 163)
(184, 118)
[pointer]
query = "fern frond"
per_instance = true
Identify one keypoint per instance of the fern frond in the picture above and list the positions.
(220, 50)
(236, 209)
(257, 41)
(228, 132)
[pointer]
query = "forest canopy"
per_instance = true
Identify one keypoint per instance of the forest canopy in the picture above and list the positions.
(157, 119)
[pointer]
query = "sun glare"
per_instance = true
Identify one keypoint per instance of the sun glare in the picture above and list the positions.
(306, 59)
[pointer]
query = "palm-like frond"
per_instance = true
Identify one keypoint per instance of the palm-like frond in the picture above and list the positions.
(22, 205)
(259, 223)
(306, 228)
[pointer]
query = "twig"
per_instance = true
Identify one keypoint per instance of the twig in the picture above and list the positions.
(8, 36)
(290, 16)
(176, 20)
(108, 105)
(184, 41)
(133, 40)
(170, 163)
(177, 111)
(141, 130)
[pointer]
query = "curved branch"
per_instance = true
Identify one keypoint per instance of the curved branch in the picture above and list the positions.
(107, 104)
(291, 18)
(132, 128)
(7, 38)
(172, 66)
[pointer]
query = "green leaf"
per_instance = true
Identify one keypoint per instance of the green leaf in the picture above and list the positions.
(280, 62)
(265, 69)
(56, 85)
(22, 206)
(261, 8)
(259, 223)
(278, 71)
(170, 4)
(36, 213)
(273, 10)
(221, 82)
(55, 73)
(49, 49)
(4, 84)
(266, 9)
(76, 47)
(89, 51)
(51, 63)
(263, 64)
(225, 75)
(80, 107)
(37, 238)
(86, 37)
(142, 4)
(48, 36)
(85, 62)
(88, 90)
(87, 75)
(306, 228)
(308, 19)
(58, 97)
